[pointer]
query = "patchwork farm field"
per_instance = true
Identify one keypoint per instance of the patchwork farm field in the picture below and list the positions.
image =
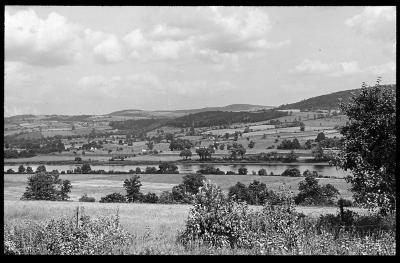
(99, 185)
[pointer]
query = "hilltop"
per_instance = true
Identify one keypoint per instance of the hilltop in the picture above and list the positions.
(180, 113)
(326, 102)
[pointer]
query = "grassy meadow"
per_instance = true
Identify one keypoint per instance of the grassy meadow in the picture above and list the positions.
(155, 227)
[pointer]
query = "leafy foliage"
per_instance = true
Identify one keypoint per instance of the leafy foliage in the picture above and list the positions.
(86, 198)
(311, 193)
(292, 172)
(186, 153)
(236, 150)
(287, 144)
(66, 236)
(132, 187)
(113, 198)
(180, 144)
(369, 149)
(47, 186)
(205, 153)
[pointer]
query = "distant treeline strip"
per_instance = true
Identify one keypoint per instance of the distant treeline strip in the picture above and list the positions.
(201, 119)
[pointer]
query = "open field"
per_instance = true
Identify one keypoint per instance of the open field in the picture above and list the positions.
(99, 185)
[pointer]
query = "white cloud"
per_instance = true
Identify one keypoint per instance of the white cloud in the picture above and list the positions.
(383, 68)
(338, 69)
(215, 35)
(169, 49)
(105, 47)
(46, 42)
(147, 84)
(54, 41)
(312, 66)
(378, 22)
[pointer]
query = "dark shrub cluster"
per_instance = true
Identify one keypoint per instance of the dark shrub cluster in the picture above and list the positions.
(86, 198)
(113, 198)
(255, 193)
(289, 145)
(47, 186)
(291, 172)
(210, 170)
(311, 193)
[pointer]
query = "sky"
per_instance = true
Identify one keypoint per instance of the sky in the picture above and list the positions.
(95, 60)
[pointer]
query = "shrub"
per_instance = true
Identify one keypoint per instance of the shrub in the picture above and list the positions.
(46, 186)
(181, 195)
(292, 172)
(151, 198)
(168, 168)
(21, 169)
(217, 221)
(254, 194)
(230, 173)
(186, 153)
(150, 170)
(214, 220)
(66, 236)
(86, 168)
(311, 193)
(287, 144)
(290, 157)
(41, 168)
(166, 198)
(242, 170)
(344, 203)
(86, 198)
(239, 192)
(210, 170)
(193, 182)
(113, 198)
(262, 172)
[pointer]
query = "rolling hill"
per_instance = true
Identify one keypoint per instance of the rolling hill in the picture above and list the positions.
(326, 102)
(179, 113)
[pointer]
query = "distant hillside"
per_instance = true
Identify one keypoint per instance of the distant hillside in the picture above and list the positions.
(216, 118)
(179, 113)
(232, 107)
(326, 102)
(138, 126)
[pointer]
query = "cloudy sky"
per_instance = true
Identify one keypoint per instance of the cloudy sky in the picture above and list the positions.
(95, 60)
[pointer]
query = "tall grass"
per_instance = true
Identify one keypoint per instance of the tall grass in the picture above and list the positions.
(155, 228)
(80, 235)
(218, 222)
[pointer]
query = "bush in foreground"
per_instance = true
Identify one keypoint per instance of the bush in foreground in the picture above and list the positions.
(66, 236)
(220, 223)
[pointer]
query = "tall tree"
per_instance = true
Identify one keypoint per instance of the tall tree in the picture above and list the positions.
(132, 187)
(369, 149)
